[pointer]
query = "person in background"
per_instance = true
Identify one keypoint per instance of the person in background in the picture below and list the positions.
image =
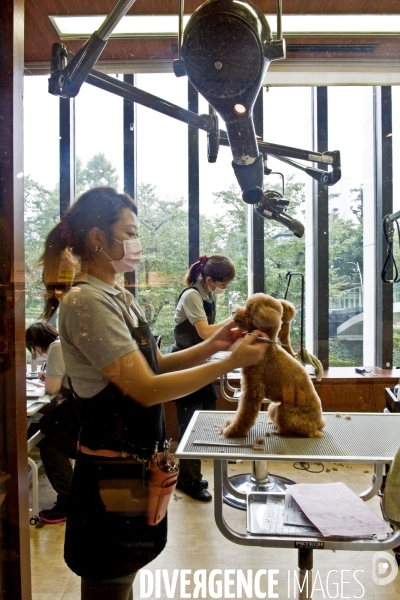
(195, 322)
(120, 380)
(61, 424)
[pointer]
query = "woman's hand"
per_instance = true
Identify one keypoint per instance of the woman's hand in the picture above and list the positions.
(248, 350)
(226, 335)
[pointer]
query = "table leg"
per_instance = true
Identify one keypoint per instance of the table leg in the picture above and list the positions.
(377, 479)
(259, 480)
(305, 563)
(35, 489)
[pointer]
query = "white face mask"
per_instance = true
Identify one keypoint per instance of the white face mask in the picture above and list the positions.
(131, 258)
(217, 290)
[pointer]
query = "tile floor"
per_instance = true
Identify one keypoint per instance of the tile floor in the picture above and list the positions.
(196, 544)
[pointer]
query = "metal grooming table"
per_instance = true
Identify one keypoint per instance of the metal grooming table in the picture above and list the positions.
(356, 438)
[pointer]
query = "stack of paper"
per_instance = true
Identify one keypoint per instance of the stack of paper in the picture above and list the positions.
(334, 509)
(34, 390)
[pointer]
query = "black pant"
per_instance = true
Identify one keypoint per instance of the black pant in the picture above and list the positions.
(104, 589)
(203, 399)
(61, 428)
(56, 449)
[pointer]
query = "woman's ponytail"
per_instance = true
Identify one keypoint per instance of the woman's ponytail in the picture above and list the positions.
(217, 266)
(59, 267)
(195, 271)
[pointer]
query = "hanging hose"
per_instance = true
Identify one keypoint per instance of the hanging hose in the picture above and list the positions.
(304, 356)
(389, 262)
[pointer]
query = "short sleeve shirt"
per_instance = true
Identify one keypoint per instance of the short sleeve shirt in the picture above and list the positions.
(55, 363)
(190, 305)
(94, 333)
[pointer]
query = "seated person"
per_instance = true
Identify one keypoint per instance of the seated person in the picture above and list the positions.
(60, 425)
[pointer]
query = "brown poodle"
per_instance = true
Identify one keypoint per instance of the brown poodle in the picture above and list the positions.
(295, 407)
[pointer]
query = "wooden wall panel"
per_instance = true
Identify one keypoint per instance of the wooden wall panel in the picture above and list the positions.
(40, 34)
(14, 524)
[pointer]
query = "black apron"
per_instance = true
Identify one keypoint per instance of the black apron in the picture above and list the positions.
(185, 333)
(106, 533)
(186, 336)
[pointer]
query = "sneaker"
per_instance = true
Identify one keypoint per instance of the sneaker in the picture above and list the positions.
(53, 515)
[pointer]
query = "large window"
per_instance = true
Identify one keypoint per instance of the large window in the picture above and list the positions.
(349, 130)
(162, 175)
(396, 208)
(41, 165)
(223, 218)
(99, 145)
(162, 193)
(287, 121)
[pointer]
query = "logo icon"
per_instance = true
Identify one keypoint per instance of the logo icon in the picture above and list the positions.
(384, 568)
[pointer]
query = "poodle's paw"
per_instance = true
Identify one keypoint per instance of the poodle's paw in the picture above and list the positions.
(318, 434)
(234, 431)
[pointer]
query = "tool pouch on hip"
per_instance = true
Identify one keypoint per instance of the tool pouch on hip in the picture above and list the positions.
(161, 485)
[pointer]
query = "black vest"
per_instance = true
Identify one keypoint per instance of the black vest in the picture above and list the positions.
(185, 333)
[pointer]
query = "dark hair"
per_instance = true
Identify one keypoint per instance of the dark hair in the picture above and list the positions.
(217, 266)
(66, 245)
(40, 335)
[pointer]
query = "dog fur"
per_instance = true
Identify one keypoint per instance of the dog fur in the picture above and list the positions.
(295, 407)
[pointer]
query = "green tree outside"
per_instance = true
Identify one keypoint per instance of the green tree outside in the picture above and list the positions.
(163, 228)
(42, 213)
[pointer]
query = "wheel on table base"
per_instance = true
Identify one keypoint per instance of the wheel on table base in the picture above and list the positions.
(33, 520)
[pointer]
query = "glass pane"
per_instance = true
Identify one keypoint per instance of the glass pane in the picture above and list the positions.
(223, 219)
(99, 138)
(162, 203)
(350, 126)
(41, 160)
(225, 215)
(396, 208)
(287, 122)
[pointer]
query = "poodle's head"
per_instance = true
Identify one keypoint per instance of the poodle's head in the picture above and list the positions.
(261, 312)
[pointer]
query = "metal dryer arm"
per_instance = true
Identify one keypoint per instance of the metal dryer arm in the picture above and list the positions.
(282, 153)
(228, 74)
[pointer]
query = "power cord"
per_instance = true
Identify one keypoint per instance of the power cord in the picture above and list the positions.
(305, 466)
